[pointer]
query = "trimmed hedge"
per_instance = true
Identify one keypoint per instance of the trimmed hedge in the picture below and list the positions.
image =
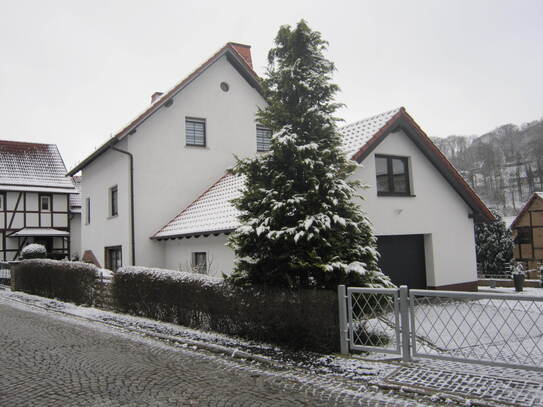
(304, 319)
(65, 280)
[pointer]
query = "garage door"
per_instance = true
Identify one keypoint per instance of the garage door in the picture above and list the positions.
(402, 259)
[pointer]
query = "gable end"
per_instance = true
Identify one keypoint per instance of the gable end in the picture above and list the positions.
(403, 121)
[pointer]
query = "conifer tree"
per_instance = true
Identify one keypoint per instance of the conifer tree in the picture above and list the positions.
(494, 245)
(299, 225)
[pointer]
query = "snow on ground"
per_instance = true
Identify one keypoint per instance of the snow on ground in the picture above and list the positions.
(505, 329)
(355, 369)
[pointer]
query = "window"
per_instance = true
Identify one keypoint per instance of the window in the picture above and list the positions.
(524, 236)
(114, 257)
(392, 175)
(45, 203)
(199, 262)
(113, 201)
(195, 132)
(1, 202)
(263, 139)
(87, 211)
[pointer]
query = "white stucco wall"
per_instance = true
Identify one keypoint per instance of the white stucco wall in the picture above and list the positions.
(179, 254)
(436, 211)
(167, 174)
(75, 236)
(110, 169)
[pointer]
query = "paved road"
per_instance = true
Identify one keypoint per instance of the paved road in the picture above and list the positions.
(50, 361)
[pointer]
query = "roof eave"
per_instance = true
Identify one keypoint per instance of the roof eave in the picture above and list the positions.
(194, 234)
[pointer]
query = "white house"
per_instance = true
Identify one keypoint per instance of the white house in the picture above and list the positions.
(174, 155)
(34, 199)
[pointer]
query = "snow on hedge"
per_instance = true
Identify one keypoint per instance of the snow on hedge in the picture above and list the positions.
(172, 275)
(66, 265)
(33, 250)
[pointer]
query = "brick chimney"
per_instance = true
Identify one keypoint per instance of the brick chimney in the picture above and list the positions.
(244, 51)
(155, 96)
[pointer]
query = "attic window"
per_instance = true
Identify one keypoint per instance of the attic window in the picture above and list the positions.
(195, 132)
(392, 175)
(225, 87)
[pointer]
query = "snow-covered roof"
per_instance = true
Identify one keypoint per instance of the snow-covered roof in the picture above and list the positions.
(75, 199)
(30, 232)
(32, 166)
(210, 213)
(356, 134)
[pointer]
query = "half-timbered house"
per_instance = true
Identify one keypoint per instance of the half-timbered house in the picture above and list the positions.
(171, 156)
(34, 199)
(527, 229)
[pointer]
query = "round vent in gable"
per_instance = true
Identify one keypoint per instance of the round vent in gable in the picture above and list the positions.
(225, 87)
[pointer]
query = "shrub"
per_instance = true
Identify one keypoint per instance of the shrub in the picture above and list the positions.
(34, 251)
(65, 280)
(301, 319)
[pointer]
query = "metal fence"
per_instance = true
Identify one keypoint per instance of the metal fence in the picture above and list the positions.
(494, 329)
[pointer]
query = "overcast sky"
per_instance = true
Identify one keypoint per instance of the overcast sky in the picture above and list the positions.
(73, 72)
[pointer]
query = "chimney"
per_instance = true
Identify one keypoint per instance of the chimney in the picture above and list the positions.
(155, 96)
(244, 51)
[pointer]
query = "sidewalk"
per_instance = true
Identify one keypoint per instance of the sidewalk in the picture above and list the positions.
(437, 381)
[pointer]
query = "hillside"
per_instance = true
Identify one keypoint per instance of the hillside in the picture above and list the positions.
(504, 166)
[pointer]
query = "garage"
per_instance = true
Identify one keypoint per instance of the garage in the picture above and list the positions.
(402, 259)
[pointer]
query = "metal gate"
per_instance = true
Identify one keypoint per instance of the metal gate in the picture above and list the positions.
(486, 328)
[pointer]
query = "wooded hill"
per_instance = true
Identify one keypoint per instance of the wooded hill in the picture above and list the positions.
(504, 166)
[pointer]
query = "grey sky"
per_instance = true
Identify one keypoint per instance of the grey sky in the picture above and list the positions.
(73, 72)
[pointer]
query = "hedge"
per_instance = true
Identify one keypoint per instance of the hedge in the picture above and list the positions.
(65, 280)
(304, 319)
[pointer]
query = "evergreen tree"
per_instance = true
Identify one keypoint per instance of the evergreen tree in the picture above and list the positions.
(494, 246)
(299, 224)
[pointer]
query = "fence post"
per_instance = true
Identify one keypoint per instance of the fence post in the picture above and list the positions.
(404, 319)
(344, 342)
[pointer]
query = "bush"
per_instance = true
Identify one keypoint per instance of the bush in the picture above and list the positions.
(67, 281)
(301, 319)
(34, 251)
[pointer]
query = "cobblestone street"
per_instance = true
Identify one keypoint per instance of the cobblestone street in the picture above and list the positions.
(53, 361)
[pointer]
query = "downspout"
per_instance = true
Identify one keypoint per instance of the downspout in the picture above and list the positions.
(133, 238)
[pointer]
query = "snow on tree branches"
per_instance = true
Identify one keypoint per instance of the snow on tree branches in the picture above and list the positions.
(299, 224)
(494, 246)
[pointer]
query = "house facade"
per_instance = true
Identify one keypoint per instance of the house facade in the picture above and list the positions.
(174, 155)
(527, 229)
(34, 199)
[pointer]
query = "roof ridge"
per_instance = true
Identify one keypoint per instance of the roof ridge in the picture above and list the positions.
(392, 111)
(28, 143)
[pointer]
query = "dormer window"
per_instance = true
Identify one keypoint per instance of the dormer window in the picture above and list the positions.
(263, 139)
(392, 175)
(195, 132)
